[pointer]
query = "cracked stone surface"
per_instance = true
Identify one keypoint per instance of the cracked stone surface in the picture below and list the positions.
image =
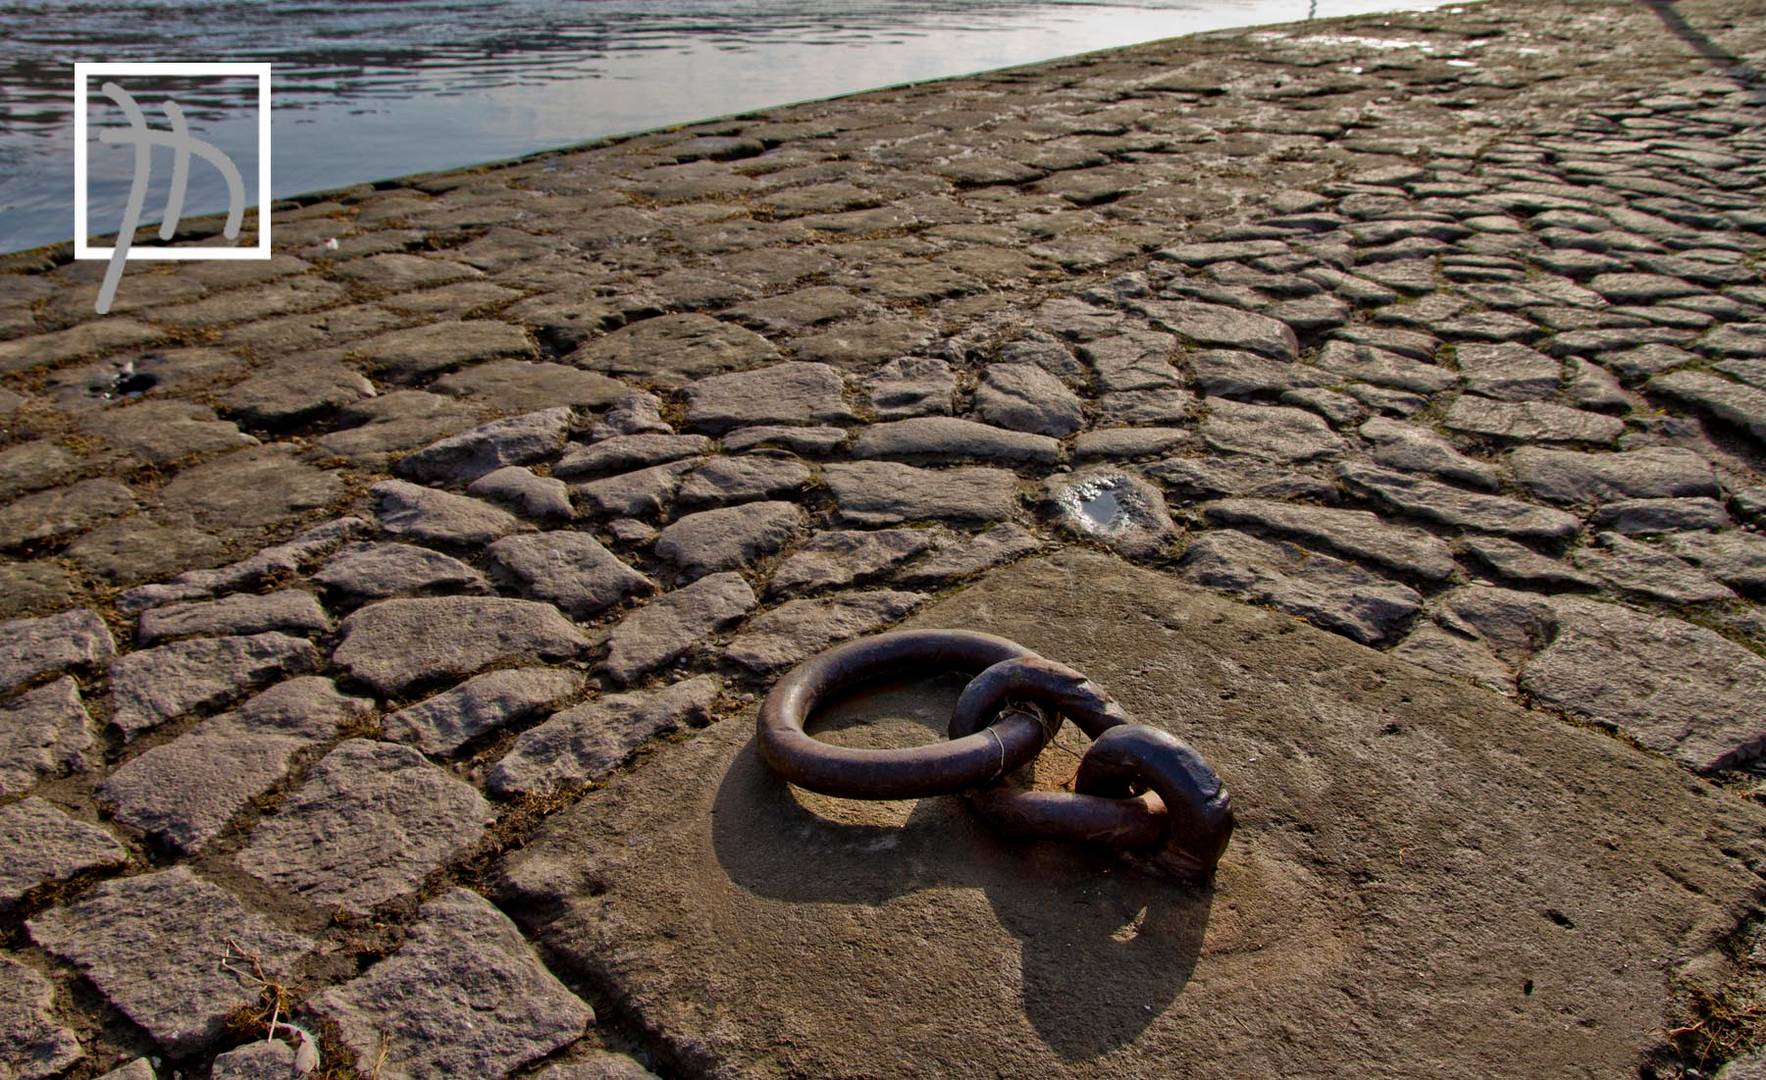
(465, 995)
(151, 945)
(371, 821)
(1460, 329)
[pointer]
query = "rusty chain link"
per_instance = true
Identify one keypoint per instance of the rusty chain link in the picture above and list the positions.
(1139, 789)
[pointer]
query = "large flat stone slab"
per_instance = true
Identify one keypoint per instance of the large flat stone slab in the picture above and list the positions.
(1422, 872)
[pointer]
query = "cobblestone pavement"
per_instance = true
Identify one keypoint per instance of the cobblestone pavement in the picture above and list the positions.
(330, 577)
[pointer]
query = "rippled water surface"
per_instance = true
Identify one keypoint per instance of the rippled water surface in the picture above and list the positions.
(372, 89)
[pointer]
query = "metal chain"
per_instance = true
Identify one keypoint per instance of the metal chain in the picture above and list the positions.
(1139, 789)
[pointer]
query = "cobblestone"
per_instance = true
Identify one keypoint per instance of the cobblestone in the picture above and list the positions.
(588, 742)
(395, 644)
(42, 844)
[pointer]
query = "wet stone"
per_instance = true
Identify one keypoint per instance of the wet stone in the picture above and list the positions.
(725, 481)
(623, 453)
(793, 393)
(425, 514)
(798, 629)
(1530, 421)
(184, 792)
(153, 686)
(843, 557)
(730, 538)
(1676, 688)
(1336, 595)
(1634, 516)
(1508, 372)
(673, 350)
(484, 703)
(675, 623)
(1524, 566)
(888, 493)
(289, 610)
(62, 512)
(413, 353)
(593, 739)
(370, 823)
(464, 995)
(518, 440)
(912, 386)
(149, 945)
(1356, 534)
(541, 498)
(33, 647)
(41, 844)
(251, 489)
(396, 644)
(1569, 477)
(943, 438)
(1271, 432)
(530, 385)
(1455, 507)
(569, 569)
(955, 556)
(1636, 567)
(1120, 510)
(1024, 397)
(362, 572)
(1415, 449)
(33, 1043)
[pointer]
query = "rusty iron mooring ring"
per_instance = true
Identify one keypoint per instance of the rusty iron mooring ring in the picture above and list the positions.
(978, 758)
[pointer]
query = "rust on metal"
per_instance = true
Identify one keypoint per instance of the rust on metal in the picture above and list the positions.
(1139, 789)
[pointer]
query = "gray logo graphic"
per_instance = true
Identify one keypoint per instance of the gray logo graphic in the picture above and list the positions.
(182, 145)
(177, 137)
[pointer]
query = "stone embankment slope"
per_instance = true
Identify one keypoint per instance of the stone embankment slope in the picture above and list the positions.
(331, 576)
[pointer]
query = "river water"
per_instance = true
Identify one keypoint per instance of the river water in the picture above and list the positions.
(372, 89)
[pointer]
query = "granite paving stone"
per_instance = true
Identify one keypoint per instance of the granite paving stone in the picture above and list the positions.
(1410, 448)
(464, 995)
(42, 844)
(889, 493)
(395, 644)
(724, 481)
(673, 350)
(731, 538)
(955, 556)
(1447, 505)
(1736, 403)
(518, 440)
(152, 946)
(943, 438)
(416, 352)
(153, 686)
(791, 393)
(912, 386)
(623, 453)
(30, 648)
(370, 571)
(532, 385)
(842, 557)
(570, 569)
(1734, 557)
(1522, 565)
(408, 510)
(1530, 421)
(1357, 534)
(542, 498)
(1633, 516)
(1335, 594)
(260, 1059)
(290, 610)
(184, 792)
(586, 743)
(1024, 397)
(482, 704)
(371, 821)
(255, 488)
(673, 624)
(1272, 432)
(1637, 567)
(798, 629)
(376, 430)
(62, 512)
(33, 1042)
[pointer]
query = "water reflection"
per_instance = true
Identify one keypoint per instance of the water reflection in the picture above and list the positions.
(368, 90)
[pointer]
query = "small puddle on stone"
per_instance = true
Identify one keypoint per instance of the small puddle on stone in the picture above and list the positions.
(1100, 508)
(1120, 510)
